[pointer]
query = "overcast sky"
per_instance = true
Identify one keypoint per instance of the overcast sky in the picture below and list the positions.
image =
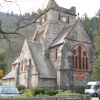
(21, 6)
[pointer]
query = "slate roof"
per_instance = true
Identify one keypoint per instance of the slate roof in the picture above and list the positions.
(60, 38)
(9, 75)
(43, 65)
(63, 34)
(16, 61)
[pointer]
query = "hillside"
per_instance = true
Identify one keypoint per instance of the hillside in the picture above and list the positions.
(9, 22)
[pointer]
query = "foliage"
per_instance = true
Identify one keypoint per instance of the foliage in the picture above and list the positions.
(92, 27)
(96, 69)
(38, 91)
(88, 25)
(27, 93)
(69, 93)
(2, 60)
(21, 87)
(51, 92)
(48, 92)
(9, 23)
(97, 34)
(44, 91)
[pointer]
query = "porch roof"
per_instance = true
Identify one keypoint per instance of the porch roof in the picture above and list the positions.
(9, 75)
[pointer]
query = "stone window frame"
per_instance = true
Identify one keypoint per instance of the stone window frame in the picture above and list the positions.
(55, 51)
(23, 65)
(68, 19)
(14, 66)
(43, 19)
(59, 19)
(80, 58)
(63, 15)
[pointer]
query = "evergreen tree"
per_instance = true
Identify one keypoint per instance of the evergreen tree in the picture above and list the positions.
(96, 69)
(87, 25)
(97, 33)
(96, 66)
(92, 26)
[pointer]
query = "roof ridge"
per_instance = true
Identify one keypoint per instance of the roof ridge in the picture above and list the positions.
(71, 28)
(60, 33)
(56, 37)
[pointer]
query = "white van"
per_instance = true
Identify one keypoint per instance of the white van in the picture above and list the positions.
(92, 87)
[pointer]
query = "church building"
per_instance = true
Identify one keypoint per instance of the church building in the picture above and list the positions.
(60, 54)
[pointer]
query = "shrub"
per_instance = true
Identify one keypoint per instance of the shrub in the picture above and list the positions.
(69, 93)
(21, 87)
(26, 93)
(51, 92)
(38, 91)
(44, 91)
(60, 91)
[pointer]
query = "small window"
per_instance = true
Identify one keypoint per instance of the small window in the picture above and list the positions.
(83, 63)
(68, 20)
(55, 54)
(21, 66)
(58, 17)
(76, 62)
(86, 63)
(42, 20)
(25, 65)
(79, 55)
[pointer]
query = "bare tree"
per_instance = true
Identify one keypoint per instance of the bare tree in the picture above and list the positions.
(4, 34)
(21, 23)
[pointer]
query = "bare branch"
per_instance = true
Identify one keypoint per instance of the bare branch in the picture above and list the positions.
(4, 32)
(19, 26)
(8, 0)
(22, 23)
(13, 2)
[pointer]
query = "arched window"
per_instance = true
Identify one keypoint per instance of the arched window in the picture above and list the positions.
(79, 55)
(68, 20)
(21, 66)
(80, 58)
(25, 64)
(83, 59)
(55, 54)
(58, 17)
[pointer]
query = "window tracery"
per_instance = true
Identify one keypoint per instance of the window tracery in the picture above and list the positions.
(80, 58)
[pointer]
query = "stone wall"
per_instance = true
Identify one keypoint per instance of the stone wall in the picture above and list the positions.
(9, 82)
(47, 83)
(50, 98)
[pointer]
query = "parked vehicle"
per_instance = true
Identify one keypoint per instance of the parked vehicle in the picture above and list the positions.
(97, 94)
(8, 91)
(92, 88)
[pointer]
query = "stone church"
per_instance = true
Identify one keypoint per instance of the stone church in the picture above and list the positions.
(60, 54)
